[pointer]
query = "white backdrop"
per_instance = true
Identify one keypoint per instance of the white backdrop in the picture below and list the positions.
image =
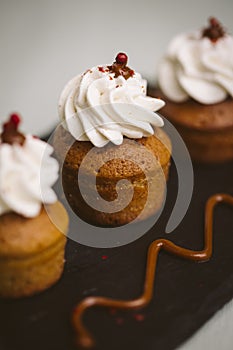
(44, 43)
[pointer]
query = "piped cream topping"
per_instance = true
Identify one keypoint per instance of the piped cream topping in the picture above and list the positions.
(104, 105)
(198, 65)
(27, 174)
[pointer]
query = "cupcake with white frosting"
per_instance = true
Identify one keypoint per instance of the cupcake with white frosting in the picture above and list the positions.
(33, 223)
(105, 117)
(196, 80)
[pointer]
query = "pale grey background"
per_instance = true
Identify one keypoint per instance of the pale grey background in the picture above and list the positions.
(44, 43)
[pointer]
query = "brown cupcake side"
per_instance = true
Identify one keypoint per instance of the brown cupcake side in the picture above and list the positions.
(110, 173)
(206, 129)
(31, 251)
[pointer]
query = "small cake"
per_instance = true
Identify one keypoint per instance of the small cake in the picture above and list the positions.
(196, 81)
(33, 223)
(109, 134)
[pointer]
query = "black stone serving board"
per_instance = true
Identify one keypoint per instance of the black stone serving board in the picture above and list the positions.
(186, 293)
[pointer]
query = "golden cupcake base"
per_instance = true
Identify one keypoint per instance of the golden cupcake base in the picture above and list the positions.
(32, 251)
(120, 166)
(207, 130)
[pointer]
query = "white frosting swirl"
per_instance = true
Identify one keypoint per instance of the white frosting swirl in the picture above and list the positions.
(198, 68)
(98, 107)
(26, 176)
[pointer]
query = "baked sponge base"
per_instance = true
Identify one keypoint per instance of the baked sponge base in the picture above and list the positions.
(31, 251)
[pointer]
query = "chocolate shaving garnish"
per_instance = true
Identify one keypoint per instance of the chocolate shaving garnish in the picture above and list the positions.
(119, 67)
(84, 338)
(10, 133)
(215, 30)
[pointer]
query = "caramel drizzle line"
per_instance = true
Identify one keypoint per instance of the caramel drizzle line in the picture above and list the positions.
(84, 338)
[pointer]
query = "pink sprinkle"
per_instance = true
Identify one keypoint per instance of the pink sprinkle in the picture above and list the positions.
(139, 317)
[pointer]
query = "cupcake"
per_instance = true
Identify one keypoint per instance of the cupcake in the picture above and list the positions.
(111, 146)
(32, 221)
(195, 78)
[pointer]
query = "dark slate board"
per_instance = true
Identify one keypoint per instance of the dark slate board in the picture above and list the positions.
(186, 293)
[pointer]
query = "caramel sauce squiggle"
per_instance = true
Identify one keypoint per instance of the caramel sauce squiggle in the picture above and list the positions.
(84, 339)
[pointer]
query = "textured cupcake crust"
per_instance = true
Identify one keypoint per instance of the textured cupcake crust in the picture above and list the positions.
(31, 251)
(206, 129)
(118, 168)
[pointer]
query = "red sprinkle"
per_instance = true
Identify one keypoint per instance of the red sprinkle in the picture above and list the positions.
(213, 21)
(139, 317)
(15, 119)
(121, 58)
(10, 132)
(104, 257)
(13, 122)
(131, 72)
(119, 321)
(101, 69)
(214, 31)
(112, 312)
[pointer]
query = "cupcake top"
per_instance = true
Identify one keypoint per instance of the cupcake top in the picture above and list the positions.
(27, 171)
(108, 102)
(198, 65)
